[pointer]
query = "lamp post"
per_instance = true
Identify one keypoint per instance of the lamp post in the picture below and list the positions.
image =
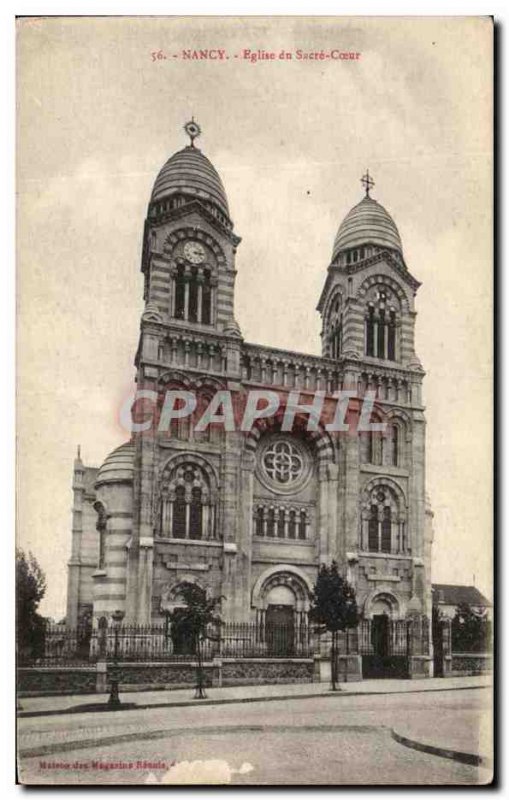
(114, 700)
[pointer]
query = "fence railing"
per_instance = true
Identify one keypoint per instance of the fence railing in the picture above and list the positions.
(158, 643)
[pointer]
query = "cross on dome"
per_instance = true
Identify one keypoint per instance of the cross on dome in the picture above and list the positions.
(193, 130)
(367, 182)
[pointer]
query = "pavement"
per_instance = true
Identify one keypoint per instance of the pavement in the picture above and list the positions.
(267, 735)
(30, 706)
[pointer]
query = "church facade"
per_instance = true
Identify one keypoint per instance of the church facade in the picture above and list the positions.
(251, 515)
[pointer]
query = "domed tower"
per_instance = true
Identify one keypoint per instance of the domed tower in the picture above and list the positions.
(189, 245)
(189, 341)
(368, 318)
(367, 301)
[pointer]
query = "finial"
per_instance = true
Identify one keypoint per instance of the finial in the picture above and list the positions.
(367, 182)
(193, 130)
(79, 451)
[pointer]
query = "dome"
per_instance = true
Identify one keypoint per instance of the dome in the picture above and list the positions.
(367, 223)
(189, 172)
(118, 467)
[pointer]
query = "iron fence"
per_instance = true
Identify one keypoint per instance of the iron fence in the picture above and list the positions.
(157, 642)
(79, 646)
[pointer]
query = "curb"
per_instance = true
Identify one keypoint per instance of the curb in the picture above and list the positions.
(80, 709)
(456, 755)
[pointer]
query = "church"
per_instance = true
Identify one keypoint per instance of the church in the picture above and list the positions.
(251, 515)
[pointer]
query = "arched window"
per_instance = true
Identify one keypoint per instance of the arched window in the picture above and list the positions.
(373, 530)
(395, 445)
(383, 521)
(195, 514)
(370, 331)
(101, 530)
(270, 522)
(381, 325)
(187, 503)
(193, 297)
(391, 336)
(281, 522)
(180, 291)
(179, 514)
(206, 315)
(292, 525)
(302, 525)
(192, 287)
(386, 530)
(334, 326)
(259, 521)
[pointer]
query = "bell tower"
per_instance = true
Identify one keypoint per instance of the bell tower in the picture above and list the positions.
(368, 318)
(188, 243)
(367, 301)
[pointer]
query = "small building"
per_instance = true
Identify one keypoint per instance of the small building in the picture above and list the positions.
(448, 597)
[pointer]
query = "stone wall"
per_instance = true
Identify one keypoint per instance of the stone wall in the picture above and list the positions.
(33, 681)
(248, 672)
(56, 680)
(471, 663)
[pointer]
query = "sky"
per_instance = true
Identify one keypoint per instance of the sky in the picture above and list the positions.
(97, 117)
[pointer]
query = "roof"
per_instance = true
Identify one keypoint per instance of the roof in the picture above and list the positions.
(367, 223)
(118, 466)
(190, 172)
(449, 594)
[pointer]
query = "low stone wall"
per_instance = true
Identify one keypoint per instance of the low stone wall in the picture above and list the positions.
(34, 681)
(145, 676)
(471, 663)
(249, 672)
(171, 675)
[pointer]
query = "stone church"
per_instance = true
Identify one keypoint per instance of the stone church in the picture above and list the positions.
(252, 515)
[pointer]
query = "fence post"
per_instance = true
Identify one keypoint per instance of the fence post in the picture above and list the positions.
(446, 648)
(101, 677)
(217, 671)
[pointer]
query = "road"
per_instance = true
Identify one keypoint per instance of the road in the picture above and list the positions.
(323, 740)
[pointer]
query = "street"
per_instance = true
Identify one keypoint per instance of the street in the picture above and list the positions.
(337, 739)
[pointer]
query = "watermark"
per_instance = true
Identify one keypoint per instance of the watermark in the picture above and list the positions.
(101, 766)
(148, 410)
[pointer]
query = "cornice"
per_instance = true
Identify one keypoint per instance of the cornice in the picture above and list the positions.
(189, 208)
(352, 269)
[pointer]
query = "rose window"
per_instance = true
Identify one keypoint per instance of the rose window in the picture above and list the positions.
(284, 465)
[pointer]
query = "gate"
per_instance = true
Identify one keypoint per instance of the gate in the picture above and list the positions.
(279, 630)
(384, 647)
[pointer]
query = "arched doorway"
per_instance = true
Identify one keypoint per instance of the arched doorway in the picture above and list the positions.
(280, 596)
(384, 637)
(280, 621)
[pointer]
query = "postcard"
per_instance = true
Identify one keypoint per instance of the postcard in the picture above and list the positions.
(255, 400)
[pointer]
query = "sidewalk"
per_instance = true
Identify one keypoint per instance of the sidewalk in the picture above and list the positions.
(40, 706)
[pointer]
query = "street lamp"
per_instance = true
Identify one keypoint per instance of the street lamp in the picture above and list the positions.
(114, 700)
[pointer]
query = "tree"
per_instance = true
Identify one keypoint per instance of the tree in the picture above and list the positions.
(470, 630)
(333, 608)
(194, 622)
(30, 589)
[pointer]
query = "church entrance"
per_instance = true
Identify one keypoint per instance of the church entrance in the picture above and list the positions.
(384, 647)
(280, 630)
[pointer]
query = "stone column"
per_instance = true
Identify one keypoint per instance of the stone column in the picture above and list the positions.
(74, 563)
(145, 569)
(140, 569)
(323, 515)
(232, 523)
(332, 487)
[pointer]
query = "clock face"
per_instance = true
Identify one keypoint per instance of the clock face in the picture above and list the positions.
(194, 252)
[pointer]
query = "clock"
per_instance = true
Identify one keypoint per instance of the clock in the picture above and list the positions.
(194, 252)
